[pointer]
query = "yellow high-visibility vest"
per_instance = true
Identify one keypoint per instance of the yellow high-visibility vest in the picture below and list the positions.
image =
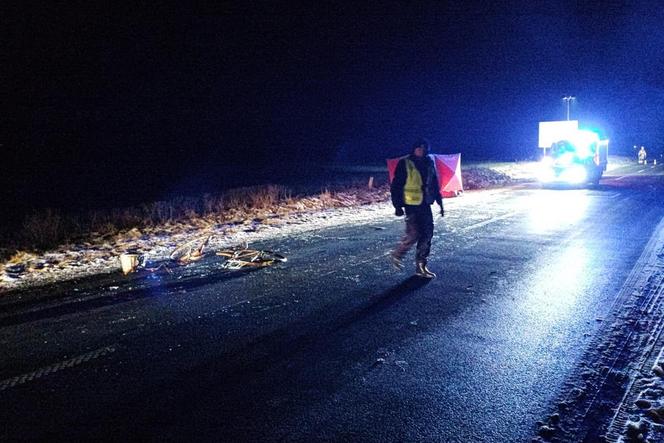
(412, 190)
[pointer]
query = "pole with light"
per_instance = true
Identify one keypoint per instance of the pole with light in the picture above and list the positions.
(567, 99)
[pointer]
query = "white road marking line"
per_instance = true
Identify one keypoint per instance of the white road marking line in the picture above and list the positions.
(491, 220)
(51, 369)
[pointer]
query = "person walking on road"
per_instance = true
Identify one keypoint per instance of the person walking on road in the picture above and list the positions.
(415, 188)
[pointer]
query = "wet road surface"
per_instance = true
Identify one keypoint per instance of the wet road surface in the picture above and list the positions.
(334, 344)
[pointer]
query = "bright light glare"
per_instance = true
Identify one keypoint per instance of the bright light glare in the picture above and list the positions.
(584, 151)
(566, 159)
(552, 132)
(569, 173)
(583, 140)
(555, 287)
(575, 174)
(555, 209)
(544, 171)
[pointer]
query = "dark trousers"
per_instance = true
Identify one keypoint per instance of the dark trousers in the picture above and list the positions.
(419, 229)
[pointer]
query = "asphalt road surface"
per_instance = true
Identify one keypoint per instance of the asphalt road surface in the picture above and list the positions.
(334, 344)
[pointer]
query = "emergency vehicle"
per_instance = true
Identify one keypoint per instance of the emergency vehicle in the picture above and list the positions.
(571, 155)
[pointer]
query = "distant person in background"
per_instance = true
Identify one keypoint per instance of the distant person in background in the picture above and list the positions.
(642, 155)
(415, 188)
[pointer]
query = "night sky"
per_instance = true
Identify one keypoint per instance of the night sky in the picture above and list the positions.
(186, 100)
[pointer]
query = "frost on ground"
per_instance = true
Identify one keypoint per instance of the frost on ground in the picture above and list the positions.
(643, 313)
(101, 255)
(646, 421)
(625, 360)
(97, 256)
(640, 417)
(643, 405)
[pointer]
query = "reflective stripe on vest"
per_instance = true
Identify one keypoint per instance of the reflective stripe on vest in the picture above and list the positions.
(412, 190)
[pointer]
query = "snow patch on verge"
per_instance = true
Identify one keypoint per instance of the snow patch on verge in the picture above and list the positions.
(101, 257)
(625, 358)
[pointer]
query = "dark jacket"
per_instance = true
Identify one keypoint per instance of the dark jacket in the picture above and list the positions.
(430, 188)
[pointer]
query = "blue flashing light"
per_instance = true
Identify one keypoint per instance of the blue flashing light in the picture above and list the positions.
(585, 143)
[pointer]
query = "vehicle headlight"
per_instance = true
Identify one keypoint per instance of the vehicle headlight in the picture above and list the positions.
(545, 172)
(575, 174)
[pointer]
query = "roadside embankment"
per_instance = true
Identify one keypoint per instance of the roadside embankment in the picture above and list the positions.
(52, 247)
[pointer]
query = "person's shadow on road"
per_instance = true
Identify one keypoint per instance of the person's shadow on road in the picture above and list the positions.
(388, 298)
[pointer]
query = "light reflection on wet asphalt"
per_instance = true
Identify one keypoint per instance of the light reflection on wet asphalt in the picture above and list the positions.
(335, 345)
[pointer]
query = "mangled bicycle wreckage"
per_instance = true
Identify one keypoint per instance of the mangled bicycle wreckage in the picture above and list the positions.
(235, 258)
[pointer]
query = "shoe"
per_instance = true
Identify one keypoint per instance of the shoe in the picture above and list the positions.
(397, 264)
(423, 272)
